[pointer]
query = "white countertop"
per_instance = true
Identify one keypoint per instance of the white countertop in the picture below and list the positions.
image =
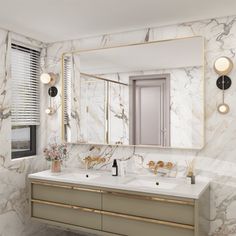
(137, 183)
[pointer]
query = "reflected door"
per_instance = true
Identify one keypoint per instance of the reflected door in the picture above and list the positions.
(150, 110)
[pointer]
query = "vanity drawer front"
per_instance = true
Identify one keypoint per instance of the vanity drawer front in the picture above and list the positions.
(131, 227)
(67, 195)
(163, 209)
(66, 215)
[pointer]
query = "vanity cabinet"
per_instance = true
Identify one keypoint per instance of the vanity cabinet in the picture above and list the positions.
(105, 211)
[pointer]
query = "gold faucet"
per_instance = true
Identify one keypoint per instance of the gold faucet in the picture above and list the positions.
(160, 164)
(93, 161)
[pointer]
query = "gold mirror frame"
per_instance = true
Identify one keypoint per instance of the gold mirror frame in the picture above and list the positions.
(126, 45)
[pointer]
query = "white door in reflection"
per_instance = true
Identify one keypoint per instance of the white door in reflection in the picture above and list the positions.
(150, 110)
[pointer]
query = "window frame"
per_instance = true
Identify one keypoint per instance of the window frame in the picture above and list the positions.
(33, 140)
(32, 151)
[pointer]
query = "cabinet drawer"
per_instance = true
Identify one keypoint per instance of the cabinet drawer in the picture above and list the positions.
(131, 227)
(66, 195)
(173, 210)
(66, 215)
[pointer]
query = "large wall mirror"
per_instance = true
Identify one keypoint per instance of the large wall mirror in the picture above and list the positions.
(149, 94)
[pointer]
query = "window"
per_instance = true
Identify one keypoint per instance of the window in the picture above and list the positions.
(25, 66)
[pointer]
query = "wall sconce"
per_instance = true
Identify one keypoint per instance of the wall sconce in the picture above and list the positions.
(223, 66)
(50, 79)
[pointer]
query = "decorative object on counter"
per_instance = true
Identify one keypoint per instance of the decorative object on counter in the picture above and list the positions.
(161, 167)
(114, 168)
(223, 66)
(56, 154)
(190, 171)
(90, 162)
(122, 168)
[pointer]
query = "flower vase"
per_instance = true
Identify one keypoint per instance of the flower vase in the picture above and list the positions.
(56, 166)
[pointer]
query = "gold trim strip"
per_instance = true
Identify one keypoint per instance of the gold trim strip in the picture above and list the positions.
(180, 202)
(52, 185)
(137, 218)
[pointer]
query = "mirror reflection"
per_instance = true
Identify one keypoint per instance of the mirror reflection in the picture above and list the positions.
(143, 94)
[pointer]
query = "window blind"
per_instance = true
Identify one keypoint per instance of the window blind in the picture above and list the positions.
(67, 88)
(25, 72)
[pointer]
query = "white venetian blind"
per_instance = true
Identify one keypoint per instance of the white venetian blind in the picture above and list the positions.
(25, 72)
(67, 88)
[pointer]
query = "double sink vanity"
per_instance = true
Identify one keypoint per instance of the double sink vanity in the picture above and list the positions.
(96, 202)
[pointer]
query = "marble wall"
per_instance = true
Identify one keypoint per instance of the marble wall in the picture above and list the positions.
(14, 189)
(217, 159)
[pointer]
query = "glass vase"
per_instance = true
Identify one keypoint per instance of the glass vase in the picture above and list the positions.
(56, 166)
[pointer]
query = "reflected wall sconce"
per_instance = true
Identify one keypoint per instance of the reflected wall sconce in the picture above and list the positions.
(223, 66)
(50, 79)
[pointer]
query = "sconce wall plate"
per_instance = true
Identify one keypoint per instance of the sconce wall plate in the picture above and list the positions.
(223, 65)
(223, 82)
(52, 91)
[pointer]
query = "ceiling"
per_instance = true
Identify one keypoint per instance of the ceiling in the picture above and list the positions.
(58, 20)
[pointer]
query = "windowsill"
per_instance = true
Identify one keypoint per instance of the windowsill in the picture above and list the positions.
(25, 158)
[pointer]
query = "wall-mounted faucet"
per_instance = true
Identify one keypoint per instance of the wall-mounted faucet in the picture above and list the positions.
(93, 161)
(154, 166)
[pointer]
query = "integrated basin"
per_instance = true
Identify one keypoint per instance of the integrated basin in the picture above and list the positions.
(84, 176)
(154, 184)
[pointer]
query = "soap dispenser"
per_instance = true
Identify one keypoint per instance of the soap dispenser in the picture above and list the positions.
(114, 168)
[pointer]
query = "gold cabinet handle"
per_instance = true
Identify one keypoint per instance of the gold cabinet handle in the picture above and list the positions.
(66, 187)
(133, 196)
(148, 220)
(87, 189)
(85, 209)
(51, 203)
(52, 185)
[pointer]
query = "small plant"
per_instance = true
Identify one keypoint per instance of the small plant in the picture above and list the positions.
(56, 152)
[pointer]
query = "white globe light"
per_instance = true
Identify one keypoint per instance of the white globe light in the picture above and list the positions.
(223, 108)
(45, 78)
(48, 111)
(223, 65)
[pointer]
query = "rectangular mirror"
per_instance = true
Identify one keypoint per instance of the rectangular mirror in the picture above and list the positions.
(149, 94)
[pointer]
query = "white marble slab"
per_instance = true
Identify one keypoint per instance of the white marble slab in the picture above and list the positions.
(105, 180)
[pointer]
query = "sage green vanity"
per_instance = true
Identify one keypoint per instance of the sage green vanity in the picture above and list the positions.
(114, 211)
